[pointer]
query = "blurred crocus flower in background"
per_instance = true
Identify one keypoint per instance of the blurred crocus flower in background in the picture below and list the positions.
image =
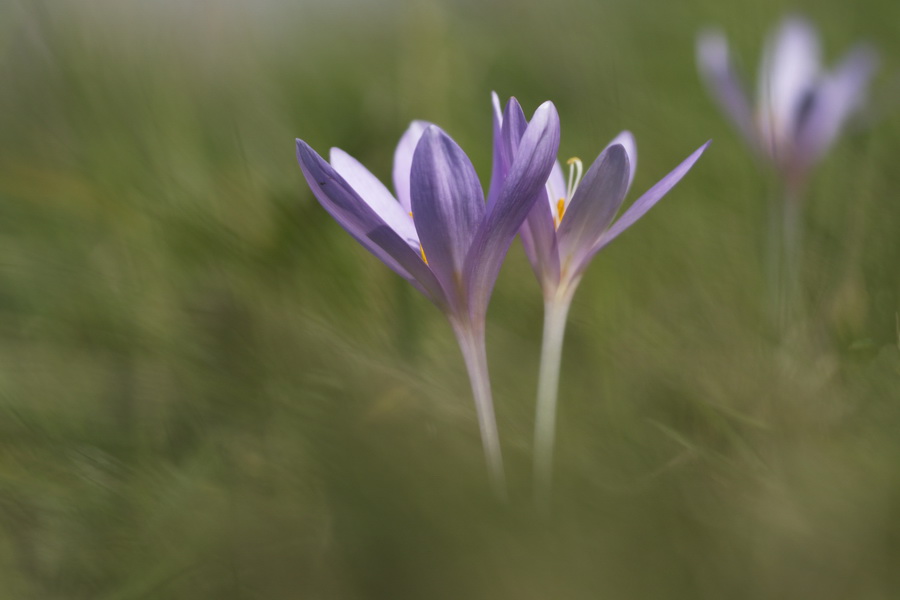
(801, 106)
(438, 233)
(572, 220)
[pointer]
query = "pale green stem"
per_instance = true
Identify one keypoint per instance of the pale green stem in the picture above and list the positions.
(472, 343)
(785, 251)
(793, 235)
(556, 310)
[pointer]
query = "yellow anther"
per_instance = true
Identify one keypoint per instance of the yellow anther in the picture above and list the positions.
(573, 160)
(560, 211)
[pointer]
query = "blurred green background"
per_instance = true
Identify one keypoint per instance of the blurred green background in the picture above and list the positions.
(209, 390)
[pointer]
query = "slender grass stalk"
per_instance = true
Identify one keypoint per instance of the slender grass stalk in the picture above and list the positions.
(472, 344)
(556, 311)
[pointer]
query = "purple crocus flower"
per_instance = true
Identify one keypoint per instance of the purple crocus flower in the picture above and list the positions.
(438, 233)
(572, 220)
(801, 107)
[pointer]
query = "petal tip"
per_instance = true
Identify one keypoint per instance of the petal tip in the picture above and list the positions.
(712, 50)
(305, 153)
(547, 114)
(495, 105)
(432, 132)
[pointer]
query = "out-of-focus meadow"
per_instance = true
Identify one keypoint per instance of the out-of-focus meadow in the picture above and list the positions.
(209, 390)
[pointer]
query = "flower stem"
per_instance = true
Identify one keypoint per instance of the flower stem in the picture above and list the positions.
(472, 343)
(793, 235)
(556, 311)
(785, 263)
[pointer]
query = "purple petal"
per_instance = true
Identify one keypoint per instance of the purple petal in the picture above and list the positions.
(839, 95)
(626, 140)
(498, 110)
(447, 204)
(718, 72)
(646, 202)
(512, 127)
(788, 73)
(498, 169)
(403, 157)
(593, 206)
(538, 233)
(359, 220)
(375, 195)
(522, 188)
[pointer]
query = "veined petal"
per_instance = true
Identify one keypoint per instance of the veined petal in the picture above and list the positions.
(626, 140)
(522, 187)
(788, 73)
(592, 208)
(403, 157)
(375, 195)
(651, 197)
(359, 220)
(718, 72)
(447, 204)
(839, 95)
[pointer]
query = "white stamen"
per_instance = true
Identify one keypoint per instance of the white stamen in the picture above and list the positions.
(576, 169)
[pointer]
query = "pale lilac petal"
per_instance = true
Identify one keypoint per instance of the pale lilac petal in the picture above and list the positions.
(522, 188)
(651, 197)
(592, 208)
(447, 204)
(375, 195)
(538, 235)
(840, 94)
(403, 157)
(359, 220)
(556, 185)
(718, 72)
(788, 74)
(626, 140)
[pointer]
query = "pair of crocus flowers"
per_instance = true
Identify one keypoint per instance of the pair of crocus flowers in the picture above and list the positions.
(441, 235)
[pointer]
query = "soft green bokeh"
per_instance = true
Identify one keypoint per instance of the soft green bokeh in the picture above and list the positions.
(208, 390)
